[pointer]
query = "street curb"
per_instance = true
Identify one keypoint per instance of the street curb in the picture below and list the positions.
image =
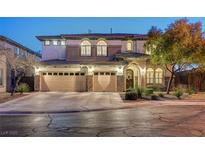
(21, 98)
(61, 112)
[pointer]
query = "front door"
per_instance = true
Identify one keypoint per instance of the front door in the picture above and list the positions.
(129, 79)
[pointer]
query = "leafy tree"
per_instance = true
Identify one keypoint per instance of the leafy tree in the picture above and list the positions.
(178, 47)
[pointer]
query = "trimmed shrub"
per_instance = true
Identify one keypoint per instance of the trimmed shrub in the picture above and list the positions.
(131, 95)
(139, 92)
(154, 97)
(130, 89)
(178, 93)
(23, 87)
(160, 94)
(190, 91)
(148, 91)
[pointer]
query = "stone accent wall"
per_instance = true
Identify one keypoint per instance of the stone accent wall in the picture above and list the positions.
(89, 83)
(36, 82)
(120, 83)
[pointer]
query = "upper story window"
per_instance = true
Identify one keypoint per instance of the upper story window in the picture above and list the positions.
(101, 48)
(17, 50)
(55, 42)
(85, 48)
(23, 53)
(130, 45)
(158, 76)
(47, 42)
(150, 76)
(62, 42)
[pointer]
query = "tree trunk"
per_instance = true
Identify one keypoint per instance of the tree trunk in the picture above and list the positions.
(13, 82)
(170, 82)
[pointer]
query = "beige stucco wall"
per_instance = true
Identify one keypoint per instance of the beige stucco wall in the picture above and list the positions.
(53, 52)
(140, 46)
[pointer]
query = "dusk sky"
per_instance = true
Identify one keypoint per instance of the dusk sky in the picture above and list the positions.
(24, 30)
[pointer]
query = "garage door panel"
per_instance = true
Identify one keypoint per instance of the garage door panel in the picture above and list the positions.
(63, 83)
(105, 83)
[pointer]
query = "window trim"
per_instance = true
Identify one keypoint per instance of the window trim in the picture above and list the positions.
(54, 43)
(159, 71)
(49, 42)
(150, 77)
(87, 49)
(132, 45)
(100, 49)
(62, 43)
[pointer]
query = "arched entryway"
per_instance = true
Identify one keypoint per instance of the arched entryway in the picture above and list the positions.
(133, 77)
(129, 79)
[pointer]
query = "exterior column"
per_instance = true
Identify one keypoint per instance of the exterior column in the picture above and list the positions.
(89, 83)
(36, 82)
(120, 83)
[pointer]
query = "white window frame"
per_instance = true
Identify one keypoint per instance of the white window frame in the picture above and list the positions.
(150, 76)
(62, 42)
(46, 42)
(85, 48)
(55, 42)
(131, 45)
(158, 76)
(17, 50)
(101, 48)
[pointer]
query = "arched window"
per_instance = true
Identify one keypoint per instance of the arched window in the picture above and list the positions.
(85, 48)
(129, 46)
(158, 76)
(101, 48)
(150, 76)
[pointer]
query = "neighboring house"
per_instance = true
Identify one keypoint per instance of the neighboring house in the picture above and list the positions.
(97, 62)
(18, 50)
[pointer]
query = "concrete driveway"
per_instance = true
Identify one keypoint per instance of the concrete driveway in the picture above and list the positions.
(63, 102)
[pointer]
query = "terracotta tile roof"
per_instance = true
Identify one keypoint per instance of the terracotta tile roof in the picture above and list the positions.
(95, 36)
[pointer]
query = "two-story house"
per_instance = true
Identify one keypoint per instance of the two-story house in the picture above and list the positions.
(16, 49)
(96, 62)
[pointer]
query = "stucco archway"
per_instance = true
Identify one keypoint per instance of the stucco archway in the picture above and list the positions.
(136, 75)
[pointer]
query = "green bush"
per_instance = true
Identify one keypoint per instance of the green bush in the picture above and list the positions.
(131, 95)
(139, 92)
(148, 91)
(178, 92)
(190, 91)
(154, 97)
(160, 94)
(130, 89)
(23, 87)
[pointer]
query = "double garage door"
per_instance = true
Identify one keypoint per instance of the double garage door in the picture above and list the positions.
(67, 81)
(76, 81)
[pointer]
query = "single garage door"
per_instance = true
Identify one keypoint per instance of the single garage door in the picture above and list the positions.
(63, 81)
(104, 81)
